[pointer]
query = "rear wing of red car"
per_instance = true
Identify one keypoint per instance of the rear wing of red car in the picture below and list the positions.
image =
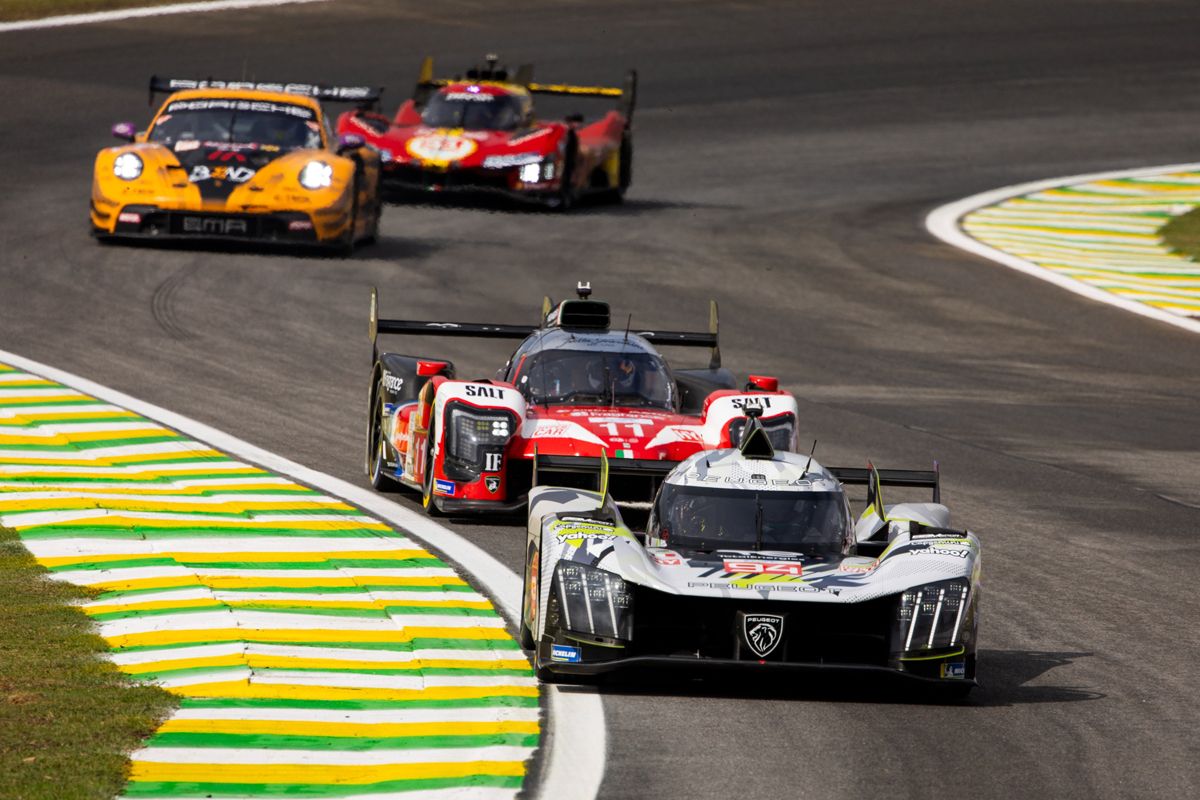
(625, 95)
(362, 95)
(581, 314)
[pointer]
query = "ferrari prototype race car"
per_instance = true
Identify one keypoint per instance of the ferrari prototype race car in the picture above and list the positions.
(478, 133)
(239, 161)
(752, 561)
(574, 391)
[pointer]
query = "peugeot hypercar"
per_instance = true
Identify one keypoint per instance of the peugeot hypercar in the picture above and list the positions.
(752, 561)
(575, 390)
(479, 133)
(240, 161)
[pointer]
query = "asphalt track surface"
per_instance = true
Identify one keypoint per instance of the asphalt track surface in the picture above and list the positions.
(786, 158)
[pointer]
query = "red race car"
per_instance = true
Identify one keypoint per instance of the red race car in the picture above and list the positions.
(479, 134)
(575, 389)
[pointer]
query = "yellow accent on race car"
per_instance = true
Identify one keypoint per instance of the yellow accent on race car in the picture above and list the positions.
(249, 190)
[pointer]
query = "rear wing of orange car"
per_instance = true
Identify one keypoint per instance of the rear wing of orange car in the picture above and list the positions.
(625, 95)
(362, 95)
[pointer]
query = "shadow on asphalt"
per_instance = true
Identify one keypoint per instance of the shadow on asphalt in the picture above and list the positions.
(590, 205)
(1003, 678)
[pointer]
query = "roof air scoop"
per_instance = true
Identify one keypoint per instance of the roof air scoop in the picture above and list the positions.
(755, 443)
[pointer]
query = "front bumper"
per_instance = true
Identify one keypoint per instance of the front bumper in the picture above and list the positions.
(151, 222)
(702, 666)
(413, 178)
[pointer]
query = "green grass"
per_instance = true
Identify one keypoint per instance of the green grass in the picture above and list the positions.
(1182, 234)
(68, 718)
(36, 9)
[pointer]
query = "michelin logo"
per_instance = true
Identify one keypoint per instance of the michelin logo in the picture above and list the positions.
(562, 652)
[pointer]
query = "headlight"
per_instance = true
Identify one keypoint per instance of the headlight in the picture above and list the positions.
(531, 172)
(127, 166)
(779, 431)
(316, 175)
(474, 434)
(593, 601)
(933, 617)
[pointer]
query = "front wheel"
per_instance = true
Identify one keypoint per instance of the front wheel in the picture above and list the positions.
(428, 502)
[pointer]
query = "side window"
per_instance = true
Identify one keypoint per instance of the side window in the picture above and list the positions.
(327, 129)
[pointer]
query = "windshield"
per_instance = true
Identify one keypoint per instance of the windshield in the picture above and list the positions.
(474, 111)
(708, 518)
(278, 125)
(604, 378)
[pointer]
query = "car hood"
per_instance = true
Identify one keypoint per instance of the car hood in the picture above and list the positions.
(618, 431)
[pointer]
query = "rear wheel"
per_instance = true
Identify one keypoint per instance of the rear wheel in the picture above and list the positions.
(344, 246)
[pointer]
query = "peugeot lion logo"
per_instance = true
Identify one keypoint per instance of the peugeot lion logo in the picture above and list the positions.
(762, 632)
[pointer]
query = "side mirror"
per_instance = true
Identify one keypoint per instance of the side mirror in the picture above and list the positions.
(125, 131)
(350, 141)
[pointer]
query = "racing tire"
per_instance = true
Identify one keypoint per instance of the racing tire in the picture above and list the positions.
(428, 501)
(524, 635)
(372, 234)
(380, 480)
(344, 245)
(565, 197)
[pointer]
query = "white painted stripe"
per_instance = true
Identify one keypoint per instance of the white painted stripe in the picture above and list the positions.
(457, 793)
(180, 594)
(945, 224)
(381, 656)
(363, 717)
(340, 758)
(135, 13)
(34, 411)
(216, 544)
(240, 498)
(575, 745)
(99, 426)
(120, 451)
(124, 659)
(356, 680)
(208, 465)
(247, 596)
(33, 519)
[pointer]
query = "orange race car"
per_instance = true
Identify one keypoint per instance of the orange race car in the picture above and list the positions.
(241, 161)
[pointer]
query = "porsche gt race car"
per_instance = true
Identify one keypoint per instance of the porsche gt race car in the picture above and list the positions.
(752, 561)
(240, 161)
(573, 391)
(478, 133)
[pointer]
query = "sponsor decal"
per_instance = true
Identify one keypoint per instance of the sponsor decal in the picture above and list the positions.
(300, 225)
(668, 559)
(758, 401)
(184, 145)
(240, 105)
(492, 482)
(762, 632)
(938, 551)
(564, 652)
(765, 567)
(129, 216)
(234, 174)
(857, 568)
(441, 147)
(217, 225)
(476, 390)
(492, 462)
(475, 97)
(393, 383)
(443, 487)
(954, 669)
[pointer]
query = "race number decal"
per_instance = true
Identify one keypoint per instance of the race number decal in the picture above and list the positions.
(441, 148)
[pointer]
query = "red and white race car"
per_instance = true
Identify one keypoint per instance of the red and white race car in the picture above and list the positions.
(574, 390)
(478, 133)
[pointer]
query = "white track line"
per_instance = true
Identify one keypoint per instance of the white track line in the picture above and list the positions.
(944, 222)
(134, 13)
(576, 741)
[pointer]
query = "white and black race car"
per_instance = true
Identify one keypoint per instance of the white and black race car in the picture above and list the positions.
(752, 560)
